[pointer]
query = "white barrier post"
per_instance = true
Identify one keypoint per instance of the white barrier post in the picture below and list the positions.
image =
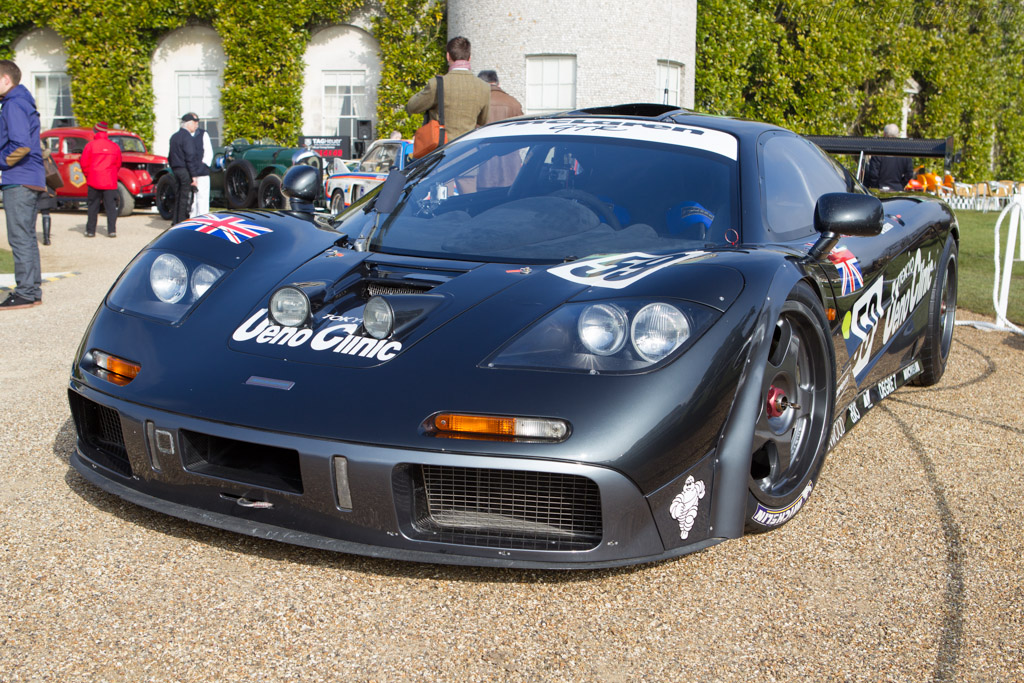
(1001, 287)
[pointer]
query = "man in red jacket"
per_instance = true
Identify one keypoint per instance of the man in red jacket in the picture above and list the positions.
(101, 160)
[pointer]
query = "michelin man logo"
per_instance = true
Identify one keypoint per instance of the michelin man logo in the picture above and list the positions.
(684, 506)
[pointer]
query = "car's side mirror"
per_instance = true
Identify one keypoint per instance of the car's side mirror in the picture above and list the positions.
(301, 184)
(842, 213)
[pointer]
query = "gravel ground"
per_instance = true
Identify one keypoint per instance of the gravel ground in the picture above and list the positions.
(905, 566)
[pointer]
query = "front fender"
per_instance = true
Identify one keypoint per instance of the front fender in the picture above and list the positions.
(735, 443)
(129, 180)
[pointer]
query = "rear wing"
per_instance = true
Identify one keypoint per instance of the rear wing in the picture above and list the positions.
(892, 147)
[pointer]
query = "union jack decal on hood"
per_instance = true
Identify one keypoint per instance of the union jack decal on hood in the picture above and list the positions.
(234, 229)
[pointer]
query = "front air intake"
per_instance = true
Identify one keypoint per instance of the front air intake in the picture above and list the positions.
(506, 508)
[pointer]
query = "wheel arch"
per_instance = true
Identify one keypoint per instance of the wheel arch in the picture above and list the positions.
(734, 447)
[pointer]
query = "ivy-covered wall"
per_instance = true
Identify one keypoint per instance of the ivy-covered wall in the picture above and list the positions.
(110, 44)
(815, 66)
(837, 67)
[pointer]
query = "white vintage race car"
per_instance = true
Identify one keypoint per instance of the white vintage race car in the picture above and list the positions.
(342, 189)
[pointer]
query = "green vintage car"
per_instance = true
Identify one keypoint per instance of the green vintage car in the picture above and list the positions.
(244, 175)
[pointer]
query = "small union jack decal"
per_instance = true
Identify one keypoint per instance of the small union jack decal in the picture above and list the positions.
(847, 265)
(234, 229)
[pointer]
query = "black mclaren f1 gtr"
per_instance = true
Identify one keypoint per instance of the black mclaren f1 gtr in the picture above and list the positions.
(597, 338)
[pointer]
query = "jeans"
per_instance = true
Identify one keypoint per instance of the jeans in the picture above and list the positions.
(109, 200)
(20, 208)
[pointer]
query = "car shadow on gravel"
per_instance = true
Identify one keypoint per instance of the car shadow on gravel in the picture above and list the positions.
(276, 551)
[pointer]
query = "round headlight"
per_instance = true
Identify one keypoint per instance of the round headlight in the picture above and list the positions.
(602, 329)
(289, 306)
(378, 317)
(202, 279)
(658, 330)
(168, 277)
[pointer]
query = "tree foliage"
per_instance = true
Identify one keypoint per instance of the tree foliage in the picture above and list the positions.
(839, 67)
(110, 45)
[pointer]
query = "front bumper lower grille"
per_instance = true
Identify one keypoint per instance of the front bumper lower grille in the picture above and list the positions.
(99, 427)
(506, 508)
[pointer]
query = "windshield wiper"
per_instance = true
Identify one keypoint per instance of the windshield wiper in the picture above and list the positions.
(384, 201)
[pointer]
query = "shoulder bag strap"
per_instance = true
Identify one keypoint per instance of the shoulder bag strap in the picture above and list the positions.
(440, 100)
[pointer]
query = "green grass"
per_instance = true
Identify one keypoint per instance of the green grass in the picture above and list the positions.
(6, 261)
(977, 267)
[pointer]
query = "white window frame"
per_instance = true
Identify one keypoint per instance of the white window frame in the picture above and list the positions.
(669, 82)
(206, 105)
(54, 114)
(550, 83)
(334, 120)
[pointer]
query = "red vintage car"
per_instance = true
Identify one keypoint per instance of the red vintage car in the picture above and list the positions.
(140, 170)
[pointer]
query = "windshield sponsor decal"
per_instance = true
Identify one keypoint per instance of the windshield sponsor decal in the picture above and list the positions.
(333, 338)
(706, 139)
(868, 399)
(849, 269)
(684, 506)
(234, 229)
(766, 516)
(618, 271)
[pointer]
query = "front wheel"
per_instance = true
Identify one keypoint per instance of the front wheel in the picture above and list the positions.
(125, 201)
(797, 397)
(938, 334)
(337, 202)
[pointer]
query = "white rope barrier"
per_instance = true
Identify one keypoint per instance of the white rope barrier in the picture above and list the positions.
(1001, 287)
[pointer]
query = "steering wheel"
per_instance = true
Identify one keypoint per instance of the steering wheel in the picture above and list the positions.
(591, 202)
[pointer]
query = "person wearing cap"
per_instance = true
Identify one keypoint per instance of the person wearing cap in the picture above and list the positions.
(185, 161)
(101, 160)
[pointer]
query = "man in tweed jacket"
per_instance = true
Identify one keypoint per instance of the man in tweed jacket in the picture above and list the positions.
(467, 99)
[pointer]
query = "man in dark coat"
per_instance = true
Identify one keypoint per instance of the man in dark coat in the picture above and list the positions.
(185, 162)
(889, 173)
(21, 163)
(101, 160)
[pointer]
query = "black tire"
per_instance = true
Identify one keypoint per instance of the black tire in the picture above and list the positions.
(337, 202)
(269, 195)
(797, 407)
(166, 193)
(125, 201)
(240, 184)
(938, 335)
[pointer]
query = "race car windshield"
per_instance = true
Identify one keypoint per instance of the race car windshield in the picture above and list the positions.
(555, 198)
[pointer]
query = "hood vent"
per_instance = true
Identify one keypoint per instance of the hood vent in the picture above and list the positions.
(401, 287)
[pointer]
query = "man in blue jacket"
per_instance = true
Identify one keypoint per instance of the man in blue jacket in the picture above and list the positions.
(22, 178)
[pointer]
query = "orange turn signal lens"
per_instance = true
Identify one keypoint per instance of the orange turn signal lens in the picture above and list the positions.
(125, 370)
(502, 427)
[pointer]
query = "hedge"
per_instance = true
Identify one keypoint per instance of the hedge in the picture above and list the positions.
(110, 44)
(816, 66)
(837, 67)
